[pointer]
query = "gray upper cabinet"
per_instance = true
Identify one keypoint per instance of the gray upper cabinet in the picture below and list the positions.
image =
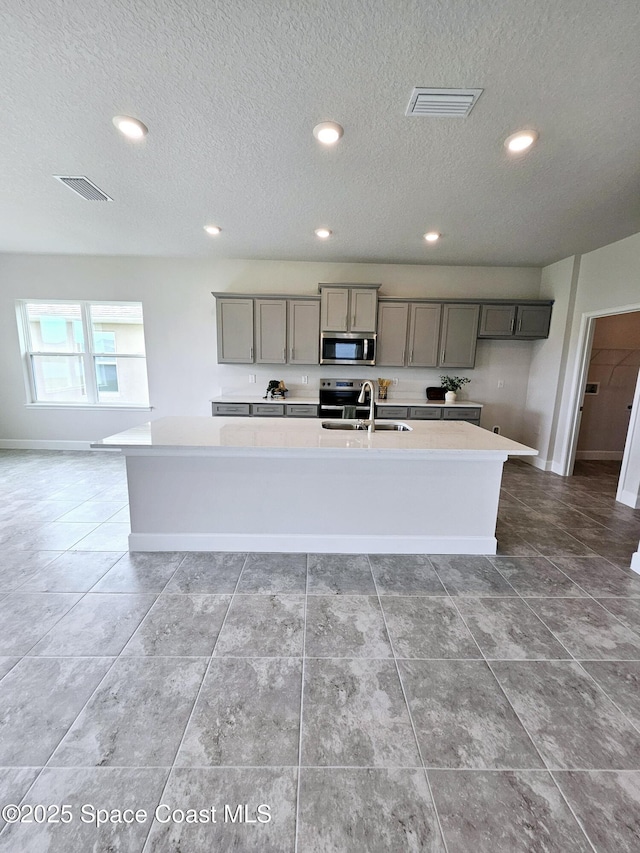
(408, 334)
(304, 331)
(271, 331)
(348, 309)
(393, 321)
(514, 321)
(234, 322)
(458, 335)
(424, 328)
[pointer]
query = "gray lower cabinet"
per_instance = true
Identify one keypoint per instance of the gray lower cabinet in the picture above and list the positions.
(429, 413)
(301, 410)
(458, 335)
(230, 409)
(267, 410)
(234, 322)
(519, 322)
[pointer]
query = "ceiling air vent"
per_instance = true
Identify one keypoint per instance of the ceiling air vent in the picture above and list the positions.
(83, 187)
(456, 103)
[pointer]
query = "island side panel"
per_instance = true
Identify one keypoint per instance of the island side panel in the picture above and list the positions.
(333, 505)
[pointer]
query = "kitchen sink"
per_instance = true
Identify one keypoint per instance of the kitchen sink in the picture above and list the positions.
(396, 426)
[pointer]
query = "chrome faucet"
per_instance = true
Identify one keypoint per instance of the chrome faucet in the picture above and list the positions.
(371, 423)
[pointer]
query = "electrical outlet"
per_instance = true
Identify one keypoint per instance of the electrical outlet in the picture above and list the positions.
(496, 429)
(500, 383)
(305, 380)
(252, 378)
(395, 381)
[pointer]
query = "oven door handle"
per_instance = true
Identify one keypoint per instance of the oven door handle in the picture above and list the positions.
(365, 352)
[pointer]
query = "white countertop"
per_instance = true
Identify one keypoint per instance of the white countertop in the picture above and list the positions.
(313, 401)
(306, 437)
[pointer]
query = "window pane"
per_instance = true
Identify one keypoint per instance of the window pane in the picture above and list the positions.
(118, 328)
(55, 327)
(122, 380)
(59, 379)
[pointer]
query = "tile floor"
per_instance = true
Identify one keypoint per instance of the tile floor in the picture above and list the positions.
(383, 703)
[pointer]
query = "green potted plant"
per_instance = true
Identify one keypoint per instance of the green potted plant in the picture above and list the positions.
(452, 384)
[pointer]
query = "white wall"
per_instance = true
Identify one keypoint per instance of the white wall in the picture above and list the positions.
(179, 316)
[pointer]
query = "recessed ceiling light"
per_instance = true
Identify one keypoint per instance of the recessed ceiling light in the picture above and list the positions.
(328, 132)
(130, 127)
(212, 229)
(520, 141)
(431, 236)
(322, 233)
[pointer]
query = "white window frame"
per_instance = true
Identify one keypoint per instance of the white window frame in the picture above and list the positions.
(88, 355)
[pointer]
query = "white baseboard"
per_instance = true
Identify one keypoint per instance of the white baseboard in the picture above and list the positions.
(312, 543)
(616, 455)
(536, 462)
(32, 444)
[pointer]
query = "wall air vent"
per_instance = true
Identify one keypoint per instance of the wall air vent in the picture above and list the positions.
(456, 103)
(83, 187)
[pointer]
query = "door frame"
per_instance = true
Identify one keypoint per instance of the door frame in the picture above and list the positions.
(585, 344)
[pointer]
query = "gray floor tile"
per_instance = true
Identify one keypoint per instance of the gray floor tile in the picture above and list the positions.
(99, 624)
(626, 610)
(55, 536)
(570, 720)
(346, 626)
(422, 627)
(506, 629)
(110, 536)
(405, 574)
(25, 618)
(462, 718)
(140, 572)
(586, 629)
(470, 575)
(73, 571)
(535, 576)
(14, 784)
(6, 664)
(269, 573)
(101, 787)
(599, 577)
(354, 714)
(17, 566)
(620, 680)
(347, 574)
(397, 805)
(247, 713)
(608, 805)
(137, 717)
(180, 625)
(263, 625)
(272, 832)
(93, 511)
(211, 571)
(39, 699)
(511, 811)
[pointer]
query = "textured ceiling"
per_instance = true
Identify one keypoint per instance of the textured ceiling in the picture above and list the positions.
(231, 91)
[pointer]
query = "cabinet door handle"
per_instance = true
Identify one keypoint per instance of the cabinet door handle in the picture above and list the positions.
(411, 357)
(404, 352)
(353, 321)
(292, 351)
(442, 356)
(251, 353)
(512, 324)
(284, 354)
(520, 324)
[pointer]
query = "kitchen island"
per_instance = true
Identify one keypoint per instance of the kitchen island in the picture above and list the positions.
(290, 485)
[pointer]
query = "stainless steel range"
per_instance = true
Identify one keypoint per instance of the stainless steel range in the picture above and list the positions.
(336, 394)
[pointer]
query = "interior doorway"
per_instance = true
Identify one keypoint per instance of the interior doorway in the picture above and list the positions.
(610, 379)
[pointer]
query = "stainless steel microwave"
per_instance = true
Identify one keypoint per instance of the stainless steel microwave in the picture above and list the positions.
(347, 348)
